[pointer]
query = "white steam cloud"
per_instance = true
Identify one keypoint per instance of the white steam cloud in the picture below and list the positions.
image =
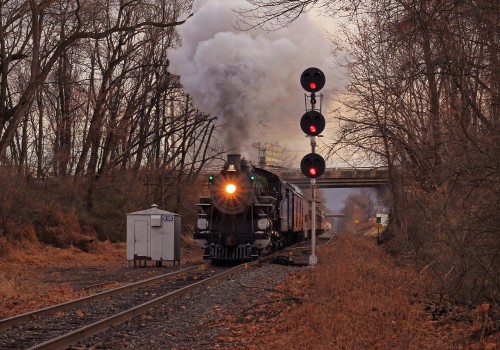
(246, 78)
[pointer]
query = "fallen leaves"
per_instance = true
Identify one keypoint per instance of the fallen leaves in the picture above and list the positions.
(80, 313)
(363, 304)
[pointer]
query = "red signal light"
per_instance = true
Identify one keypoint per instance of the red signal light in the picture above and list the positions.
(312, 165)
(312, 123)
(312, 79)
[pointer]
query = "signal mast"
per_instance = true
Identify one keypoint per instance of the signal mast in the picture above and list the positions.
(312, 124)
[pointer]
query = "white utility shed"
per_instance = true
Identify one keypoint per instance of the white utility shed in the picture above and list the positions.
(153, 234)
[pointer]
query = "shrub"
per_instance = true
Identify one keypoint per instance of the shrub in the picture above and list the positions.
(54, 211)
(63, 230)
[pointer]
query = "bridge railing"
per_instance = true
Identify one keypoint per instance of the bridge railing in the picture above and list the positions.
(339, 173)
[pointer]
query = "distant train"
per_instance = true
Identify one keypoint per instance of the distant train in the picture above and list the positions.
(250, 212)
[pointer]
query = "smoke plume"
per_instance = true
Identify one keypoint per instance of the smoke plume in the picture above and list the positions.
(246, 78)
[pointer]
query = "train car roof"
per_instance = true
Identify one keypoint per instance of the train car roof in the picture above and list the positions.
(296, 188)
(272, 176)
(267, 174)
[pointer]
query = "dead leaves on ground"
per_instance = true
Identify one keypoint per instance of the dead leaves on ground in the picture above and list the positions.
(356, 315)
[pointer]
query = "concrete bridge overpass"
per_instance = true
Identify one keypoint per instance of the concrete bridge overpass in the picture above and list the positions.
(338, 177)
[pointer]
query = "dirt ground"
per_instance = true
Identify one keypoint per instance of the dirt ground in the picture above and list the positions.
(33, 276)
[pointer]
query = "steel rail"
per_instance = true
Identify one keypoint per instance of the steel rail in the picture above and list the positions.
(97, 327)
(15, 320)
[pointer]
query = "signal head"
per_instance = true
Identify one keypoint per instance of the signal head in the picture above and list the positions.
(312, 123)
(312, 79)
(312, 165)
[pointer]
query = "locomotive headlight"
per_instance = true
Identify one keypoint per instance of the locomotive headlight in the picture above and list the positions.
(202, 224)
(263, 224)
(230, 188)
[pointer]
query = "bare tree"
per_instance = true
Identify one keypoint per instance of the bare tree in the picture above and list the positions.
(423, 98)
(25, 43)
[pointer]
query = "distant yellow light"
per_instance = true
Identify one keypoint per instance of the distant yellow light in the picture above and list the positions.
(230, 188)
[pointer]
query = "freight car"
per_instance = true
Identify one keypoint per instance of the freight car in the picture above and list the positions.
(251, 211)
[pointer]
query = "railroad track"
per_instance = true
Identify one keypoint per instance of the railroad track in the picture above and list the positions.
(19, 319)
(65, 324)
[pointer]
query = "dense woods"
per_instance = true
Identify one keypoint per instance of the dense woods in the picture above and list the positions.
(93, 124)
(87, 102)
(424, 99)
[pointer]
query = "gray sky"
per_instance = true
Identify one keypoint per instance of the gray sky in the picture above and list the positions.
(335, 197)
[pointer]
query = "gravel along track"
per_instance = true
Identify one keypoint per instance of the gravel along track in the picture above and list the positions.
(44, 327)
(193, 321)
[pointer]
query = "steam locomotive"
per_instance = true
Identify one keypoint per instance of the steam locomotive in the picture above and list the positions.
(250, 212)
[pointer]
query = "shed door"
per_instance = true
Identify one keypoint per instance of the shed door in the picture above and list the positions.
(141, 237)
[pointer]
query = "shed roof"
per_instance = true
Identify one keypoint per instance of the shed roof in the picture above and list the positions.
(152, 211)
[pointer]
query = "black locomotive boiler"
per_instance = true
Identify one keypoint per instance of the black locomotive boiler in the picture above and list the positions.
(251, 211)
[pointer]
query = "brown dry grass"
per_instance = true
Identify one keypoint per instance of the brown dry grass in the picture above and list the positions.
(362, 301)
(359, 298)
(21, 287)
